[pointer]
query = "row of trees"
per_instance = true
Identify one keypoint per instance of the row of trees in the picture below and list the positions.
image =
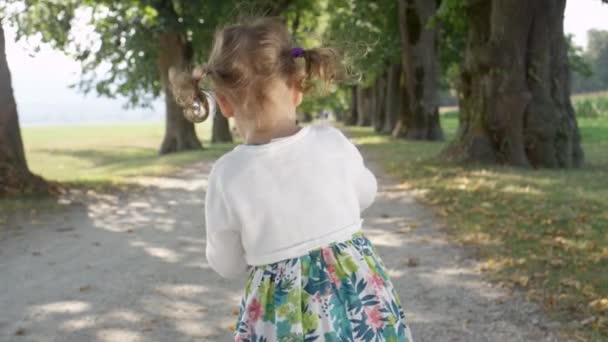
(137, 41)
(508, 59)
(593, 73)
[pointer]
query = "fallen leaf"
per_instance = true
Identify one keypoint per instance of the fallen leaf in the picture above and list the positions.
(571, 283)
(521, 280)
(600, 305)
(412, 262)
(556, 262)
(442, 212)
(588, 320)
(20, 331)
(84, 288)
(406, 229)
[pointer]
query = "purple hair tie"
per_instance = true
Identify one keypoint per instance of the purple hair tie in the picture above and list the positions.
(297, 52)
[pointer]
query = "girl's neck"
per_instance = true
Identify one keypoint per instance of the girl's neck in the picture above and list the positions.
(276, 126)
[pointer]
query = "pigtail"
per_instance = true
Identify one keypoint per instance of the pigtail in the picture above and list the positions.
(187, 93)
(324, 66)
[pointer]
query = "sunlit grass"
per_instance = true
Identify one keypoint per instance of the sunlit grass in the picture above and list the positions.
(545, 231)
(102, 155)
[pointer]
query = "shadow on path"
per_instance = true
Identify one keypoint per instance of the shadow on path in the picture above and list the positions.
(131, 267)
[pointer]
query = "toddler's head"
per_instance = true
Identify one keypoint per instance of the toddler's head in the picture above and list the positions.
(257, 73)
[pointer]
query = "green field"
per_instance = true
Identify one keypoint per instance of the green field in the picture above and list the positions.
(544, 231)
(100, 156)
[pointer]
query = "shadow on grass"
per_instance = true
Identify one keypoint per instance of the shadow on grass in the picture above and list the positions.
(123, 158)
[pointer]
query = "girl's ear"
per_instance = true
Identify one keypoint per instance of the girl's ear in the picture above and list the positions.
(225, 105)
(296, 94)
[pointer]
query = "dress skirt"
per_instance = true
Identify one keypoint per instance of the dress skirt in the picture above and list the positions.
(336, 293)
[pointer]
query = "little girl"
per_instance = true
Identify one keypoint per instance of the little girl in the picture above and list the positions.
(285, 207)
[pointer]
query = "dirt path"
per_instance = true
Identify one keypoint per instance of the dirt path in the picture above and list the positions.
(131, 267)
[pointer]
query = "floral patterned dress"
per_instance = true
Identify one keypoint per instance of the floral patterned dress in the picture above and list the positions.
(336, 293)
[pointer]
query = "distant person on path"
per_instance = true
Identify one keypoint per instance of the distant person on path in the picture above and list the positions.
(285, 207)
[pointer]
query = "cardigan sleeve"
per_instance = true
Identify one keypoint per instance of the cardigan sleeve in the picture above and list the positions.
(363, 179)
(224, 251)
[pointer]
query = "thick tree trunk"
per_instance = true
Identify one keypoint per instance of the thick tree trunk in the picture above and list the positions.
(420, 59)
(515, 89)
(179, 132)
(380, 103)
(392, 98)
(15, 176)
(220, 132)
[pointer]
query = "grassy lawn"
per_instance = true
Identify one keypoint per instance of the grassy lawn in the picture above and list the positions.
(99, 156)
(103, 158)
(545, 231)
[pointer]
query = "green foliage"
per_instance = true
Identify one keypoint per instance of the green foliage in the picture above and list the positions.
(578, 61)
(368, 32)
(338, 101)
(124, 41)
(594, 75)
(452, 22)
(598, 54)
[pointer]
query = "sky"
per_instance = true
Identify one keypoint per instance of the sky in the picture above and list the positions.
(41, 81)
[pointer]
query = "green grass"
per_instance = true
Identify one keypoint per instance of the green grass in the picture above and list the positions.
(545, 231)
(104, 158)
(99, 156)
(592, 105)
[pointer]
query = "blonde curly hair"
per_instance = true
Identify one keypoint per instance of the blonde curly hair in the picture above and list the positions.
(244, 61)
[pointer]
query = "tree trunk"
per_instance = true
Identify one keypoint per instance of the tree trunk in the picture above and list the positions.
(15, 176)
(380, 103)
(420, 59)
(363, 106)
(403, 108)
(220, 132)
(371, 110)
(392, 98)
(351, 116)
(179, 132)
(515, 87)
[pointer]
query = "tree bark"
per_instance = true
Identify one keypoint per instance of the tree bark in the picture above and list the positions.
(380, 103)
(420, 59)
(392, 98)
(220, 132)
(363, 106)
(180, 134)
(515, 87)
(371, 104)
(351, 116)
(15, 176)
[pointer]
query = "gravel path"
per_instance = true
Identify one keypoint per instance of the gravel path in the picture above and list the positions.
(131, 267)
